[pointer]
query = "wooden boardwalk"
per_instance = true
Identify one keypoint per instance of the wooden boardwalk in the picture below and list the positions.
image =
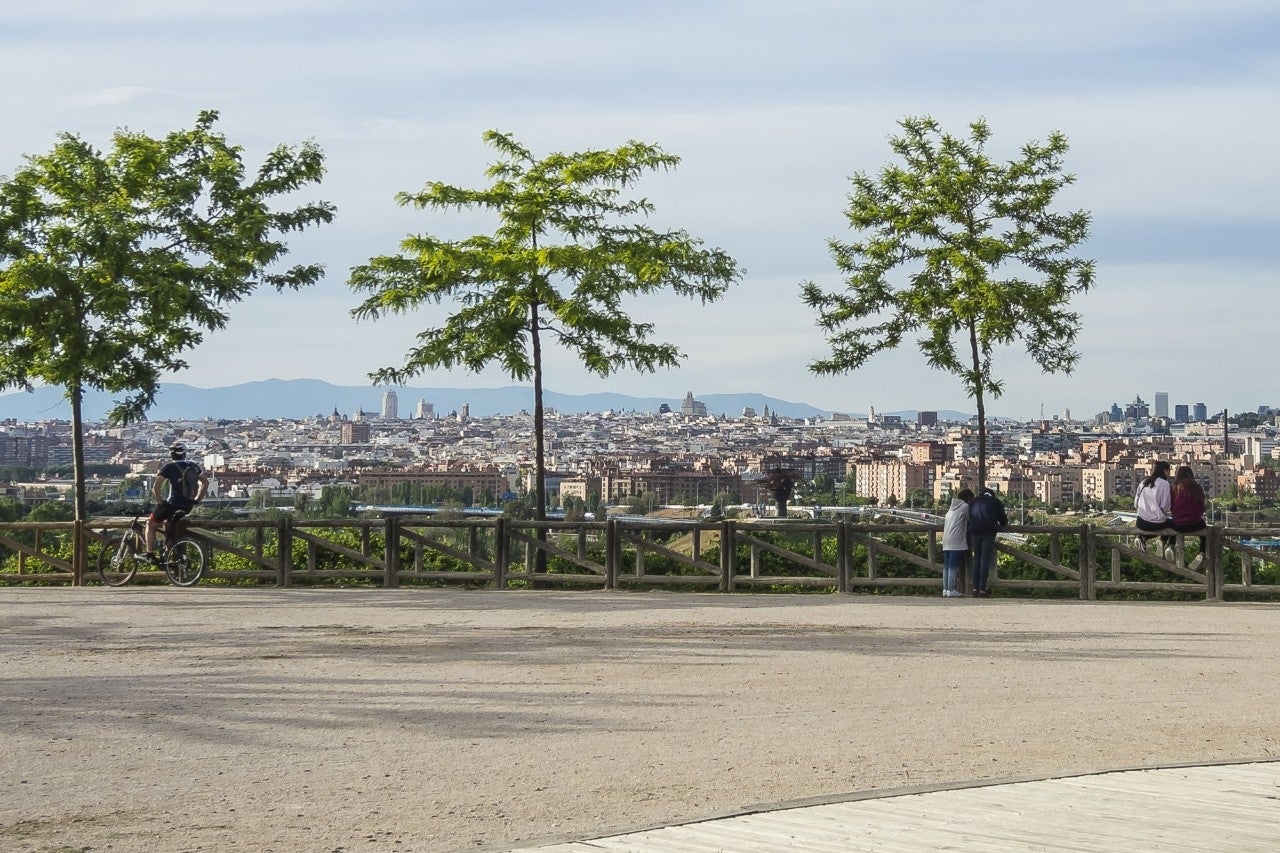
(1213, 808)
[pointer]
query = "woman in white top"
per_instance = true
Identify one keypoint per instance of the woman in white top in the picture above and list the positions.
(1154, 504)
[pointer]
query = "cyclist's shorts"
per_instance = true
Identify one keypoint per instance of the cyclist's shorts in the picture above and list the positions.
(165, 511)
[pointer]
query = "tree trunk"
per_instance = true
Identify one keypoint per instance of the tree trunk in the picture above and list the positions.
(982, 411)
(76, 393)
(539, 445)
(79, 554)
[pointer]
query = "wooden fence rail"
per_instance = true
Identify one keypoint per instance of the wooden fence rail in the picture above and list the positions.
(844, 556)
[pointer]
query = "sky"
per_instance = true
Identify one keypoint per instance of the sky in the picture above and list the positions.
(1171, 107)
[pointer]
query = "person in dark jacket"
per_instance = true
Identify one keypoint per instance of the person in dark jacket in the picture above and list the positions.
(986, 518)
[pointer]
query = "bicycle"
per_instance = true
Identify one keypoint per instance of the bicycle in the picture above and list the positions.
(181, 559)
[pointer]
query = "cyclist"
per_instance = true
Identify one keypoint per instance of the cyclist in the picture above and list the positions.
(187, 482)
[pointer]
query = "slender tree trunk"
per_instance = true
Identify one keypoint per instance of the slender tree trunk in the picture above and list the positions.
(982, 411)
(77, 450)
(79, 553)
(539, 445)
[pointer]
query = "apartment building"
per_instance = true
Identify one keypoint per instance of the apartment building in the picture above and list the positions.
(886, 479)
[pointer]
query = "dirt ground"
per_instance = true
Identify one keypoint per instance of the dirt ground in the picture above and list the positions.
(157, 719)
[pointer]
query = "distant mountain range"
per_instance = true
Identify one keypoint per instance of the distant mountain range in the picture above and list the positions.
(303, 398)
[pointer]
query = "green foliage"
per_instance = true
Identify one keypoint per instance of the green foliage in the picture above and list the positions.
(11, 510)
(642, 504)
(52, 511)
(575, 509)
(57, 543)
(17, 473)
(112, 266)
(335, 502)
(566, 252)
(951, 221)
(517, 508)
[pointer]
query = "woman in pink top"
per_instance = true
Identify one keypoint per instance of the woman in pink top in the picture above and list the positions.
(1188, 508)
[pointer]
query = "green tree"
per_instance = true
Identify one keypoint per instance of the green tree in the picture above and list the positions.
(51, 511)
(113, 265)
(11, 510)
(984, 261)
(335, 502)
(517, 509)
(642, 503)
(920, 498)
(566, 251)
(575, 508)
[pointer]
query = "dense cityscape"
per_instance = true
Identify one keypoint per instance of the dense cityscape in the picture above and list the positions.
(671, 456)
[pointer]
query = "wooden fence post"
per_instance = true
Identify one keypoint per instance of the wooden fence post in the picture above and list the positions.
(612, 553)
(728, 555)
(1213, 569)
(726, 540)
(843, 557)
(1088, 551)
(79, 553)
(284, 544)
(391, 552)
(500, 556)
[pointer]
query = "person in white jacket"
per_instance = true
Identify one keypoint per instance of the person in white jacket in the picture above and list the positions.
(955, 543)
(1154, 505)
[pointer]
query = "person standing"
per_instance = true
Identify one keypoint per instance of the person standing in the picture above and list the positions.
(986, 518)
(955, 543)
(1187, 512)
(186, 483)
(1152, 501)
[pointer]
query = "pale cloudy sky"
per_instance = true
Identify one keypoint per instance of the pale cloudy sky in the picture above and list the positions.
(1172, 108)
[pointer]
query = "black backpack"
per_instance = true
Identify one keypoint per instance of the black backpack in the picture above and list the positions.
(190, 480)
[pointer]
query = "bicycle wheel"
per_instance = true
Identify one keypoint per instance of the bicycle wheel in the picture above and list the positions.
(118, 560)
(184, 563)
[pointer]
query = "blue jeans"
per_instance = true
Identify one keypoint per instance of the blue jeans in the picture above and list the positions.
(952, 563)
(984, 557)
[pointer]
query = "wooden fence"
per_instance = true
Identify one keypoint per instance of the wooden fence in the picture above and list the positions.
(785, 555)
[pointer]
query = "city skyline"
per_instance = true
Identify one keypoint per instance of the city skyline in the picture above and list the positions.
(771, 108)
(304, 398)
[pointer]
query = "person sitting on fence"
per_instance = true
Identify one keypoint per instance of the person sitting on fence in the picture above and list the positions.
(1188, 508)
(1152, 502)
(955, 543)
(187, 483)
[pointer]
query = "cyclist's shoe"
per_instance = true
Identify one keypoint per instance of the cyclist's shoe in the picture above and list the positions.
(150, 557)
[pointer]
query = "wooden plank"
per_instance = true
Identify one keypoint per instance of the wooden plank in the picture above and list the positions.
(1221, 808)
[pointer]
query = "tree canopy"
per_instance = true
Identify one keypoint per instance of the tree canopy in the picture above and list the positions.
(113, 265)
(567, 250)
(964, 250)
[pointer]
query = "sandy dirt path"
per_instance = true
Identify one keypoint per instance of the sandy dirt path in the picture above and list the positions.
(157, 719)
